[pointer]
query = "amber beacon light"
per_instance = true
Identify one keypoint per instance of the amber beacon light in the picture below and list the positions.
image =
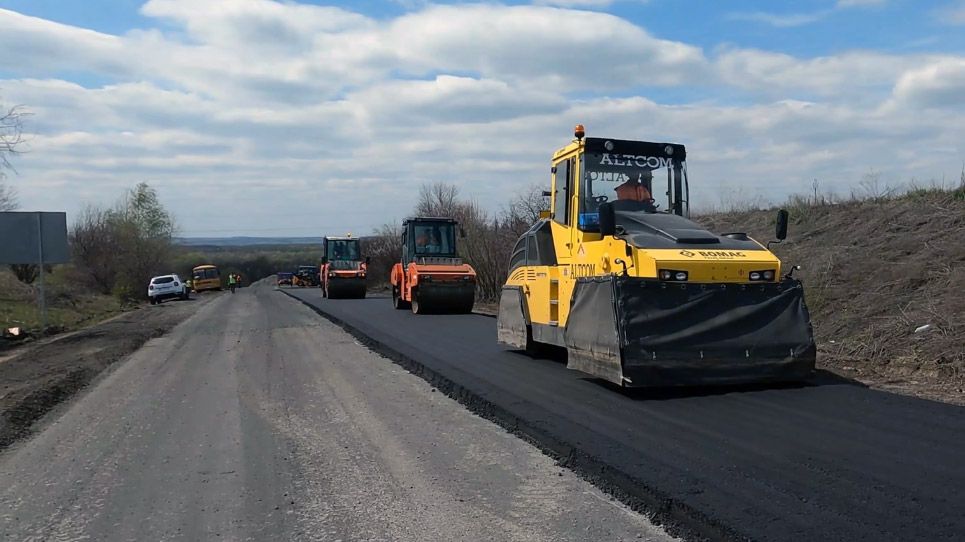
(579, 131)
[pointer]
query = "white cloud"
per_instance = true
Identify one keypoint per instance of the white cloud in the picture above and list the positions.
(548, 46)
(251, 115)
(858, 75)
(940, 84)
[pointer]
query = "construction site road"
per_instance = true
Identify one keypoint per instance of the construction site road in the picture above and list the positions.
(826, 460)
(256, 419)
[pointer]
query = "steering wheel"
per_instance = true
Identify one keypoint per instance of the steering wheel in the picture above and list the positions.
(600, 199)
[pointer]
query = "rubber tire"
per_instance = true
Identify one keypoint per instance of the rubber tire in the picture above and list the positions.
(533, 348)
(397, 300)
(417, 308)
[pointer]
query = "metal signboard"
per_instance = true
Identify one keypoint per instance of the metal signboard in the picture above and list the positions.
(33, 238)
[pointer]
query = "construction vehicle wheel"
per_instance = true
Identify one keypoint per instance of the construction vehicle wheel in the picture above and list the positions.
(397, 300)
(417, 307)
(533, 348)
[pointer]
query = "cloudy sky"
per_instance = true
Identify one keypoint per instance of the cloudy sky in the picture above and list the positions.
(257, 117)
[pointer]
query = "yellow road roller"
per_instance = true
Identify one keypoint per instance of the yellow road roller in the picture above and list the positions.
(637, 293)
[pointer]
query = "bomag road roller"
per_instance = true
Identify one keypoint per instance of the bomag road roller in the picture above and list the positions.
(343, 269)
(431, 277)
(637, 293)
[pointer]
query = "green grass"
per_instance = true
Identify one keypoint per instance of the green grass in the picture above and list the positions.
(67, 308)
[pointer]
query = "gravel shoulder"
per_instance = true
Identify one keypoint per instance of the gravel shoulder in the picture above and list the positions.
(37, 377)
(256, 419)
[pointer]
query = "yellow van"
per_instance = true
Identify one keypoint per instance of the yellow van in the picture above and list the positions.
(206, 277)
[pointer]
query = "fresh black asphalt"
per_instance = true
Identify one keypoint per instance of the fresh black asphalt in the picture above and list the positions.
(827, 460)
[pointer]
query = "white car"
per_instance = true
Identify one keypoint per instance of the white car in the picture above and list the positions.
(165, 287)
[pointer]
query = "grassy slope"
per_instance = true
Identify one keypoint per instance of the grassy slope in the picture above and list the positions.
(67, 307)
(874, 271)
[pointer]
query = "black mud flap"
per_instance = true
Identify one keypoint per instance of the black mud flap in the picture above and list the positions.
(692, 334)
(591, 336)
(511, 321)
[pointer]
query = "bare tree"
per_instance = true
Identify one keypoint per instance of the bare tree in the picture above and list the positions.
(95, 247)
(873, 188)
(438, 199)
(384, 248)
(523, 210)
(120, 249)
(11, 135)
(11, 138)
(8, 197)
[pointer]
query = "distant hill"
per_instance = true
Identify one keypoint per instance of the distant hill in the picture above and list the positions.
(245, 241)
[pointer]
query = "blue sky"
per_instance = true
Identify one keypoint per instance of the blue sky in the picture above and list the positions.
(305, 110)
(897, 25)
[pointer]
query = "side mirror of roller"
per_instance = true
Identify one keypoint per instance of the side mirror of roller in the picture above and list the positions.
(780, 232)
(780, 229)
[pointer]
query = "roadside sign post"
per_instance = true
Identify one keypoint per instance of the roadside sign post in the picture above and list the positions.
(40, 288)
(34, 238)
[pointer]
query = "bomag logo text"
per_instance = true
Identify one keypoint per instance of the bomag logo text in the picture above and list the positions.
(721, 254)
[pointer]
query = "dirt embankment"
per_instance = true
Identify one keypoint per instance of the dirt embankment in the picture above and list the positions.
(874, 273)
(37, 377)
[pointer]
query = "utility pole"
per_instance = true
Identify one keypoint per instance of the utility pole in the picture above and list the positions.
(40, 291)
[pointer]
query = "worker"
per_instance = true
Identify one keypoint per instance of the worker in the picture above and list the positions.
(421, 241)
(231, 282)
(434, 246)
(635, 188)
(634, 194)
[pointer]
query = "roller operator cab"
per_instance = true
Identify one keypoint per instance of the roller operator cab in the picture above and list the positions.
(343, 271)
(640, 295)
(431, 276)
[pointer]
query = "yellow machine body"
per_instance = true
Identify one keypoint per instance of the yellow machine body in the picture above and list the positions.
(637, 269)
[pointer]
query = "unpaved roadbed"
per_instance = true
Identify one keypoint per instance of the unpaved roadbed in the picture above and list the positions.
(44, 375)
(259, 420)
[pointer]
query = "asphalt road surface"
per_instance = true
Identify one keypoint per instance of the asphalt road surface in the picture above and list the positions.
(256, 419)
(829, 460)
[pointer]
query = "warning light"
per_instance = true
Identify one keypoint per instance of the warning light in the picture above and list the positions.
(579, 131)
